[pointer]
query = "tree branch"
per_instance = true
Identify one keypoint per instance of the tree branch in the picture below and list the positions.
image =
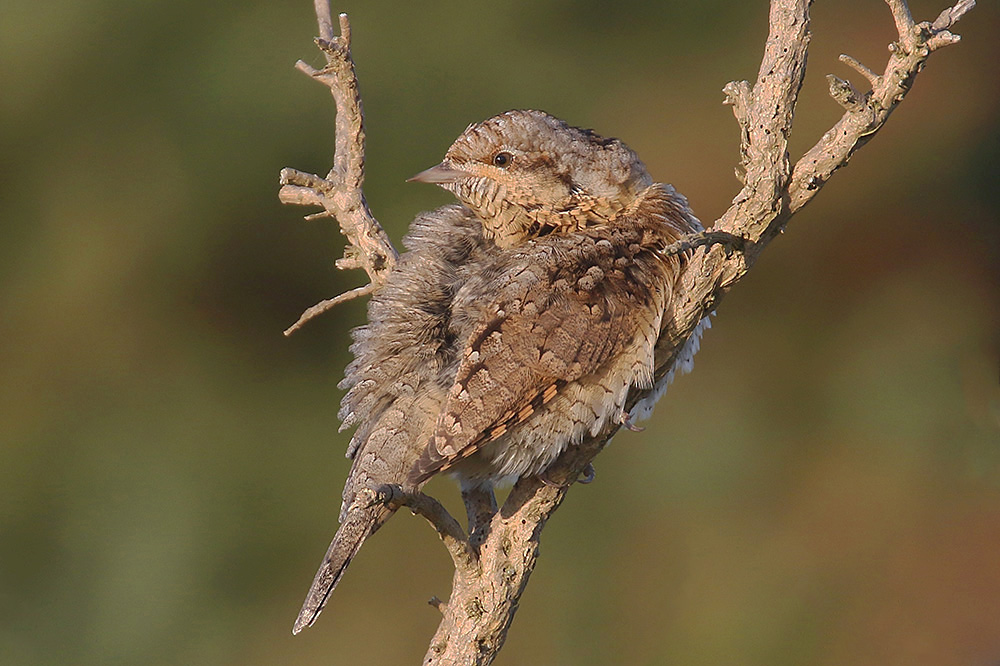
(451, 533)
(340, 192)
(862, 120)
(492, 567)
(329, 304)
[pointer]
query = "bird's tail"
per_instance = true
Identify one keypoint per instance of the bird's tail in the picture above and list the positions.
(359, 524)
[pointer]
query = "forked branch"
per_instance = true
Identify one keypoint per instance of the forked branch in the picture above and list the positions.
(865, 114)
(340, 193)
(451, 533)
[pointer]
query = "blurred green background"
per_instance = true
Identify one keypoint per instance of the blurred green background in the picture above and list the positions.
(824, 489)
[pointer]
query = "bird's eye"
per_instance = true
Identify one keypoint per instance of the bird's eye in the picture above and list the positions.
(502, 159)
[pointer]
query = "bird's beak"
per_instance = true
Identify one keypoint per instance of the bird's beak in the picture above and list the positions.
(439, 174)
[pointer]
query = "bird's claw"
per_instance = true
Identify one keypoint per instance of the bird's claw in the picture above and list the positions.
(587, 476)
(626, 420)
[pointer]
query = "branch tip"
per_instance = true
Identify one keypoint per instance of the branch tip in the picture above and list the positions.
(328, 304)
(867, 113)
(291, 176)
(345, 31)
(950, 16)
(340, 193)
(760, 211)
(307, 69)
(348, 261)
(873, 78)
(324, 20)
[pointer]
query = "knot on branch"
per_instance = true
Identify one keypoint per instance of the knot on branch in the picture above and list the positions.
(845, 93)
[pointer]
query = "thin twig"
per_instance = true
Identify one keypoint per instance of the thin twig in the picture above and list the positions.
(873, 78)
(844, 93)
(328, 304)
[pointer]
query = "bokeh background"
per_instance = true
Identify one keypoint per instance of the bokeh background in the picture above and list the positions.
(824, 489)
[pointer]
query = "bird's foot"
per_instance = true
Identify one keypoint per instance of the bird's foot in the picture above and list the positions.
(587, 476)
(626, 420)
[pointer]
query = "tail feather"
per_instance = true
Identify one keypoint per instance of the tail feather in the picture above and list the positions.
(359, 524)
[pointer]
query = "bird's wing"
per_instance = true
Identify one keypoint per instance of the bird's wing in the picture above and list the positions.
(548, 325)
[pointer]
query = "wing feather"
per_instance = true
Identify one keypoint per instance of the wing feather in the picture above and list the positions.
(547, 336)
(564, 307)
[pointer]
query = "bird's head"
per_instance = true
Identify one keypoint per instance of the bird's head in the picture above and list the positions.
(526, 173)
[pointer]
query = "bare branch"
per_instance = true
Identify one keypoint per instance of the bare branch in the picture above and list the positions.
(299, 196)
(324, 20)
(769, 120)
(771, 193)
(329, 304)
(476, 619)
(939, 29)
(950, 16)
(844, 93)
(509, 553)
(340, 193)
(451, 533)
(873, 79)
(905, 26)
(857, 126)
(293, 178)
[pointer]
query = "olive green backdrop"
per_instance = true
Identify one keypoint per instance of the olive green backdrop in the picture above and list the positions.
(824, 489)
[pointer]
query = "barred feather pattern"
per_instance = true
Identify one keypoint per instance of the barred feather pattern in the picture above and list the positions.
(399, 379)
(405, 356)
(568, 325)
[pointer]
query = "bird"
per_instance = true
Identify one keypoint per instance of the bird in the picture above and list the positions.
(515, 324)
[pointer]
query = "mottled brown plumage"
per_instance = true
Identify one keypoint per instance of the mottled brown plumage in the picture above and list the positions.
(526, 174)
(563, 321)
(516, 324)
(404, 363)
